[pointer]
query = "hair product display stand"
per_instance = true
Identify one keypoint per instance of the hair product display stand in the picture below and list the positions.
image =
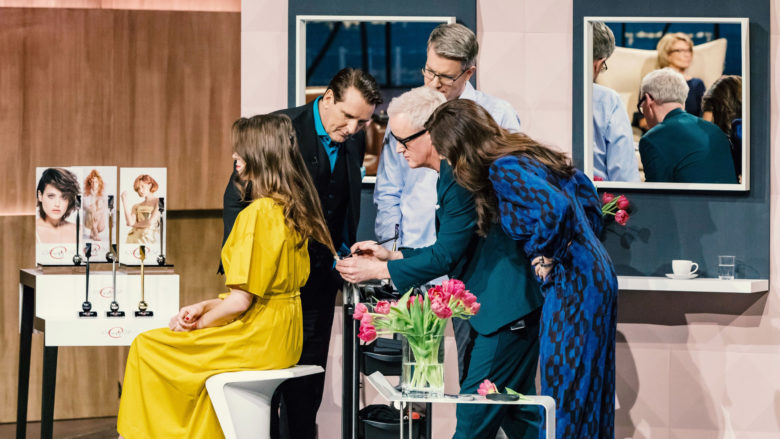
(49, 297)
(380, 383)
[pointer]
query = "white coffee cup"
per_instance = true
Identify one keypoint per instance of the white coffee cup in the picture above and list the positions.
(684, 267)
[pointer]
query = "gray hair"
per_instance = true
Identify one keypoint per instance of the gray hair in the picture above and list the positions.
(665, 85)
(603, 41)
(417, 104)
(455, 41)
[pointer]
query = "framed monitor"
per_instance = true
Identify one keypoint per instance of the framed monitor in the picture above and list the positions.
(720, 49)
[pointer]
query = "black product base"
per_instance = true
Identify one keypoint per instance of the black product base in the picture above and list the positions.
(115, 313)
(87, 314)
(146, 313)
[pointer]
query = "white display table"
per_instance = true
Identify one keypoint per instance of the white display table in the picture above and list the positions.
(390, 393)
(50, 299)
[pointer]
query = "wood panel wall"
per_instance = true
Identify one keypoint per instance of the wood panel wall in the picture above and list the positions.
(118, 87)
(112, 87)
(88, 377)
(167, 5)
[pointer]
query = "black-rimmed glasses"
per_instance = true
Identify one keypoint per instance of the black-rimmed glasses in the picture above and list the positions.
(642, 101)
(443, 79)
(406, 140)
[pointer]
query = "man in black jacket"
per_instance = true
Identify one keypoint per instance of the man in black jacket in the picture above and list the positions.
(332, 141)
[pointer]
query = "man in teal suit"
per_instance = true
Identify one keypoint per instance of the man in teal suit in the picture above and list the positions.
(505, 345)
(680, 147)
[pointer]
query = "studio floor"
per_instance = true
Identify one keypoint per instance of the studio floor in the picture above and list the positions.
(90, 428)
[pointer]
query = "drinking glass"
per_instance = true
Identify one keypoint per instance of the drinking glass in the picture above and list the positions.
(726, 267)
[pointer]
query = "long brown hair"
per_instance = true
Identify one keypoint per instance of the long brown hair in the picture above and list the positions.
(724, 100)
(275, 169)
(465, 133)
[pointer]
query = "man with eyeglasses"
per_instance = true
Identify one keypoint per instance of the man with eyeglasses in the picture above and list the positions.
(505, 345)
(614, 158)
(680, 147)
(407, 196)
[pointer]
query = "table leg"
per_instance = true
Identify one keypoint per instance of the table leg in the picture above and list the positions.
(49, 383)
(410, 421)
(25, 343)
(400, 420)
(428, 420)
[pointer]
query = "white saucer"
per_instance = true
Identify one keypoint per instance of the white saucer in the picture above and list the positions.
(681, 276)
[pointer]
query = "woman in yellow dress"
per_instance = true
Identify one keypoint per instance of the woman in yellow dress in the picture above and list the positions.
(258, 324)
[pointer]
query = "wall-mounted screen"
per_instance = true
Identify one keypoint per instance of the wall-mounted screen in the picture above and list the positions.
(692, 138)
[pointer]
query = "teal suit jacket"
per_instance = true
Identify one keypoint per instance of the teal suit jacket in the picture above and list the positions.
(493, 268)
(686, 149)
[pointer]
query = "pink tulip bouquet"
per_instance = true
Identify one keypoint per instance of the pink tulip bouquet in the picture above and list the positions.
(615, 206)
(421, 319)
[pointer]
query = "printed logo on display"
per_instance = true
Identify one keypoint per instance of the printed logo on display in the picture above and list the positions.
(107, 292)
(116, 332)
(58, 252)
(95, 246)
(137, 252)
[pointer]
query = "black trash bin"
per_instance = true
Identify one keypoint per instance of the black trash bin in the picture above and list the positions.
(383, 355)
(380, 421)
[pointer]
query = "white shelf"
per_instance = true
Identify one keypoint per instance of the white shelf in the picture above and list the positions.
(700, 285)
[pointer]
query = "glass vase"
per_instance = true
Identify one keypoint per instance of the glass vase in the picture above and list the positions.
(422, 371)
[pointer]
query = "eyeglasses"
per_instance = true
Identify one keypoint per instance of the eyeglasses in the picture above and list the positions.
(443, 79)
(681, 51)
(642, 101)
(603, 66)
(406, 140)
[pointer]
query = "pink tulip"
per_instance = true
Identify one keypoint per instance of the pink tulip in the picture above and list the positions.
(475, 307)
(469, 299)
(360, 309)
(622, 202)
(606, 197)
(621, 217)
(419, 299)
(487, 387)
(441, 310)
(367, 333)
(382, 307)
(453, 287)
(436, 292)
(367, 319)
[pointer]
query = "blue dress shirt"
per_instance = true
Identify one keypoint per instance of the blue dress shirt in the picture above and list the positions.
(407, 196)
(331, 147)
(614, 158)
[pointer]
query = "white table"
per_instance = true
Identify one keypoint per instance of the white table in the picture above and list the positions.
(390, 393)
(50, 299)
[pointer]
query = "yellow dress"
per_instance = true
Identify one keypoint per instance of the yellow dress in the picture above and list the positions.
(164, 393)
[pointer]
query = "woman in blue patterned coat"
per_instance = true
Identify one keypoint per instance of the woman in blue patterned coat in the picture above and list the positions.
(553, 211)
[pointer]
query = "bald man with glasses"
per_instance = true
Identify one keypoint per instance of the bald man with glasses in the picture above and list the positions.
(407, 196)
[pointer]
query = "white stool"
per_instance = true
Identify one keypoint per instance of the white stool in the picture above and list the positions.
(242, 400)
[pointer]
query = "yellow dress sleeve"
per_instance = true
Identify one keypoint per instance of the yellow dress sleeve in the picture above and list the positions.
(254, 248)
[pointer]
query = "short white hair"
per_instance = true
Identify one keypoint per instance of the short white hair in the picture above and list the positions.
(665, 85)
(417, 104)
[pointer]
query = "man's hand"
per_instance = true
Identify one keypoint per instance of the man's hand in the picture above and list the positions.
(361, 268)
